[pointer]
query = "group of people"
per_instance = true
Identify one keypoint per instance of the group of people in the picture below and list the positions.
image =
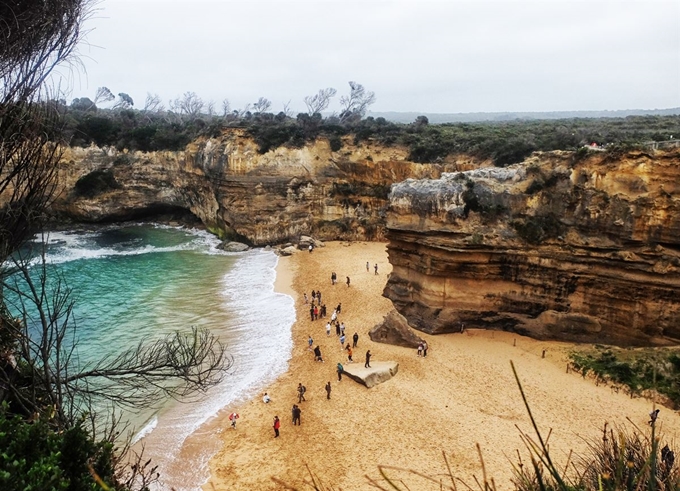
(422, 349)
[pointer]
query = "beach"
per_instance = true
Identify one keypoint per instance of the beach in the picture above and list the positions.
(462, 394)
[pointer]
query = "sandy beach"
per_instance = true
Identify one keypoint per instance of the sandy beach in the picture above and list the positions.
(462, 394)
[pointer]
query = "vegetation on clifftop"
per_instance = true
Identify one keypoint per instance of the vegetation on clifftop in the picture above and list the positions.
(154, 128)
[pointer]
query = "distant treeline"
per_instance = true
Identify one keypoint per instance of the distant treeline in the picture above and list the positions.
(505, 142)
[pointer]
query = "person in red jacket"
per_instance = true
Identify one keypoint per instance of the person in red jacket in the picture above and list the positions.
(277, 425)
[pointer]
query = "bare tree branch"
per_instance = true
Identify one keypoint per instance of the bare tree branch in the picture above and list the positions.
(319, 102)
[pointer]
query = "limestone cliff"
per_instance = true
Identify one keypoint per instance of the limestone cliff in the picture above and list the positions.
(263, 198)
(563, 246)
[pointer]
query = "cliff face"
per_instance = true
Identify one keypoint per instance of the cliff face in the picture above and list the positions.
(557, 247)
(225, 182)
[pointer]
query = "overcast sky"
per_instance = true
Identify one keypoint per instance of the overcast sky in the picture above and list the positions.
(421, 56)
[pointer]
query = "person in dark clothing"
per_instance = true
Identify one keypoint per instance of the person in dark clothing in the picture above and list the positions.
(296, 414)
(311, 311)
(301, 392)
(328, 390)
(653, 415)
(340, 370)
(368, 359)
(355, 340)
(339, 308)
(317, 354)
(348, 282)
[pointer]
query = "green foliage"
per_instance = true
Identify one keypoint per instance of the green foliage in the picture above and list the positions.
(536, 229)
(641, 371)
(335, 142)
(34, 457)
(96, 182)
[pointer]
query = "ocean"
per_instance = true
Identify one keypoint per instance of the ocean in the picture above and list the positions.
(138, 282)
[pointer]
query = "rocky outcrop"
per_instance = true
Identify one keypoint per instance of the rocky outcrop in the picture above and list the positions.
(240, 194)
(394, 329)
(379, 372)
(560, 247)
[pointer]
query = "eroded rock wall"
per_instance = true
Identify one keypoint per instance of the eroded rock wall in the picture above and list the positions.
(557, 248)
(265, 198)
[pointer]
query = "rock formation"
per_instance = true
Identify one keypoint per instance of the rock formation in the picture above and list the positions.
(243, 195)
(379, 372)
(563, 246)
(394, 329)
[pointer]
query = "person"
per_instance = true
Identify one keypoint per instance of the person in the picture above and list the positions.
(342, 328)
(266, 398)
(349, 353)
(333, 278)
(317, 354)
(313, 295)
(328, 328)
(334, 315)
(301, 392)
(318, 297)
(328, 390)
(424, 349)
(277, 425)
(348, 282)
(306, 299)
(292, 413)
(310, 342)
(323, 310)
(339, 308)
(337, 328)
(340, 369)
(652, 416)
(368, 359)
(376, 268)
(233, 417)
(316, 312)
(420, 349)
(296, 414)
(311, 311)
(355, 339)
(342, 342)
(311, 247)
(367, 266)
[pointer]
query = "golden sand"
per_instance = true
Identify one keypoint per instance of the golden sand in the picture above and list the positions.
(462, 394)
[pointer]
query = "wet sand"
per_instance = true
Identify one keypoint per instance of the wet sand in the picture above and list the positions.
(462, 394)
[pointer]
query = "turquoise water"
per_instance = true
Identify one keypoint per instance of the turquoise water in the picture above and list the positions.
(137, 283)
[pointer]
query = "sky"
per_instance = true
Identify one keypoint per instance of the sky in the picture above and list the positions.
(416, 55)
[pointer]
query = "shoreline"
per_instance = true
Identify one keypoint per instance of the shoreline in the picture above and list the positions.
(461, 395)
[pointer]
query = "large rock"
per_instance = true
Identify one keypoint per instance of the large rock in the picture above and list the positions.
(233, 247)
(394, 329)
(380, 372)
(584, 250)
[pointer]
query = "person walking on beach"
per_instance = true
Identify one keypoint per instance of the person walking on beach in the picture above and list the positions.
(323, 310)
(349, 353)
(424, 349)
(342, 342)
(420, 349)
(340, 369)
(328, 328)
(333, 278)
(337, 328)
(233, 417)
(368, 359)
(277, 425)
(342, 329)
(334, 315)
(311, 311)
(376, 268)
(301, 393)
(328, 390)
(266, 399)
(310, 342)
(317, 354)
(348, 282)
(355, 339)
(316, 312)
(306, 299)
(296, 414)
(338, 309)
(318, 297)
(313, 295)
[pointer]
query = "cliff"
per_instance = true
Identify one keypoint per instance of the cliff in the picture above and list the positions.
(237, 192)
(564, 246)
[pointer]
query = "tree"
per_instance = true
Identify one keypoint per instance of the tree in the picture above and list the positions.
(319, 102)
(103, 94)
(153, 103)
(356, 103)
(226, 108)
(124, 101)
(189, 105)
(262, 105)
(83, 104)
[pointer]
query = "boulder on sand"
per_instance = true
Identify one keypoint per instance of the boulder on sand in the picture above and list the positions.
(394, 329)
(379, 372)
(233, 246)
(306, 240)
